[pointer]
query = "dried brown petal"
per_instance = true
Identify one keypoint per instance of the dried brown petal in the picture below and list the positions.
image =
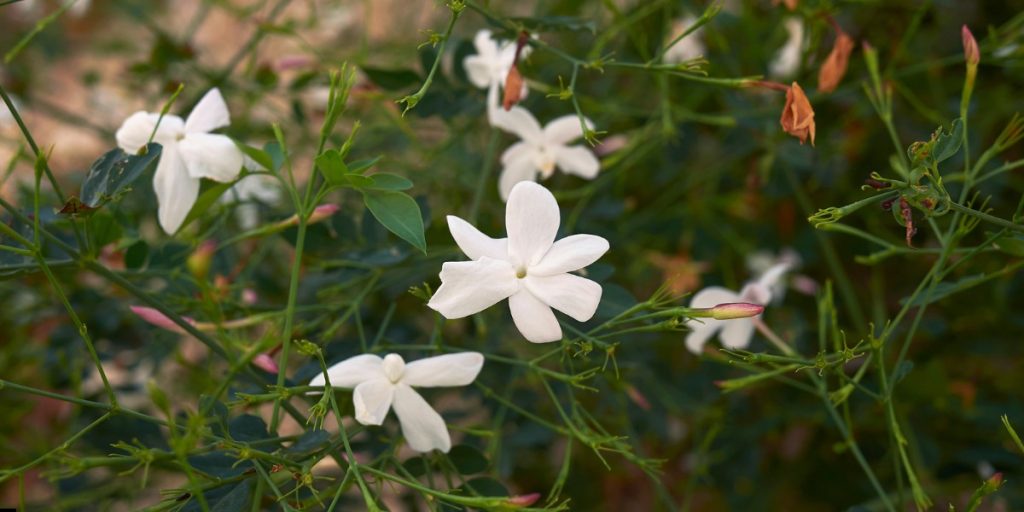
(513, 88)
(834, 68)
(797, 115)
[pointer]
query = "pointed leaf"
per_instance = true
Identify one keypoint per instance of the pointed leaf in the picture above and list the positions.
(399, 213)
(114, 172)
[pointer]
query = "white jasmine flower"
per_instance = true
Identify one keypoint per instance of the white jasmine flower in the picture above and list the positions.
(529, 268)
(787, 61)
(734, 333)
(249, 193)
(687, 48)
(541, 150)
(380, 384)
(190, 152)
(493, 59)
(761, 262)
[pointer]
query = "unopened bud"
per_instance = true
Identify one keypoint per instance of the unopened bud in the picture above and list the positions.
(199, 261)
(322, 212)
(265, 363)
(971, 53)
(524, 500)
(155, 317)
(734, 310)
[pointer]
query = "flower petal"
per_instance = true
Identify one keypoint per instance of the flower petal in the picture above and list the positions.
(475, 244)
(514, 172)
(700, 332)
(351, 372)
(573, 295)
(570, 253)
(176, 191)
(519, 121)
(533, 318)
(135, 131)
(773, 275)
(457, 369)
(565, 129)
(209, 114)
(713, 296)
(478, 70)
(737, 333)
(468, 287)
(518, 151)
(577, 160)
(211, 156)
(372, 400)
(422, 426)
(486, 47)
(531, 219)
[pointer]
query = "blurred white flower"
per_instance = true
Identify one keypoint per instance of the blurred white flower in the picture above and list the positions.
(489, 67)
(787, 61)
(190, 152)
(541, 150)
(734, 333)
(529, 268)
(687, 48)
(249, 193)
(759, 263)
(380, 384)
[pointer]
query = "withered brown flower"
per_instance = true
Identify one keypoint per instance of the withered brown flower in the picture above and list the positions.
(798, 116)
(832, 71)
(513, 88)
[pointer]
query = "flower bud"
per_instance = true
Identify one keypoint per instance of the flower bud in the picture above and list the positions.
(265, 363)
(734, 310)
(155, 317)
(524, 500)
(198, 262)
(797, 115)
(322, 212)
(971, 53)
(513, 88)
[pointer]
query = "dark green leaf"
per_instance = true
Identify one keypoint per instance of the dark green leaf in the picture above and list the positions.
(901, 371)
(487, 487)
(399, 213)
(247, 428)
(1011, 244)
(945, 289)
(136, 254)
(276, 155)
(103, 229)
(947, 143)
(206, 199)
(417, 466)
(310, 441)
(259, 156)
(467, 460)
(385, 181)
(114, 172)
(333, 167)
(238, 499)
(393, 79)
(362, 165)
(217, 464)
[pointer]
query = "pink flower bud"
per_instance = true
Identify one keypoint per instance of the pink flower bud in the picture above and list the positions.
(322, 212)
(971, 53)
(524, 500)
(159, 319)
(637, 397)
(733, 310)
(249, 297)
(265, 363)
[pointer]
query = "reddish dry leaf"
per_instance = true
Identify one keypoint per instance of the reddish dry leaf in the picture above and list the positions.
(797, 115)
(834, 68)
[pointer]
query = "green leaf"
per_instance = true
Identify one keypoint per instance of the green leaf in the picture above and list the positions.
(385, 181)
(1011, 244)
(945, 289)
(467, 460)
(206, 199)
(333, 168)
(103, 229)
(259, 156)
(947, 143)
(399, 213)
(362, 165)
(239, 499)
(136, 255)
(114, 172)
(392, 79)
(487, 487)
(248, 428)
(416, 466)
(276, 155)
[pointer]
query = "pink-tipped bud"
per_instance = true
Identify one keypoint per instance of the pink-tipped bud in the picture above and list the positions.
(158, 319)
(637, 397)
(733, 310)
(524, 500)
(611, 144)
(249, 297)
(322, 212)
(199, 261)
(971, 53)
(265, 363)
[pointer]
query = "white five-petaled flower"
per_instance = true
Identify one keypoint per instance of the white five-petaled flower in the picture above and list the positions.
(490, 65)
(529, 268)
(787, 61)
(381, 384)
(687, 48)
(541, 150)
(734, 333)
(190, 152)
